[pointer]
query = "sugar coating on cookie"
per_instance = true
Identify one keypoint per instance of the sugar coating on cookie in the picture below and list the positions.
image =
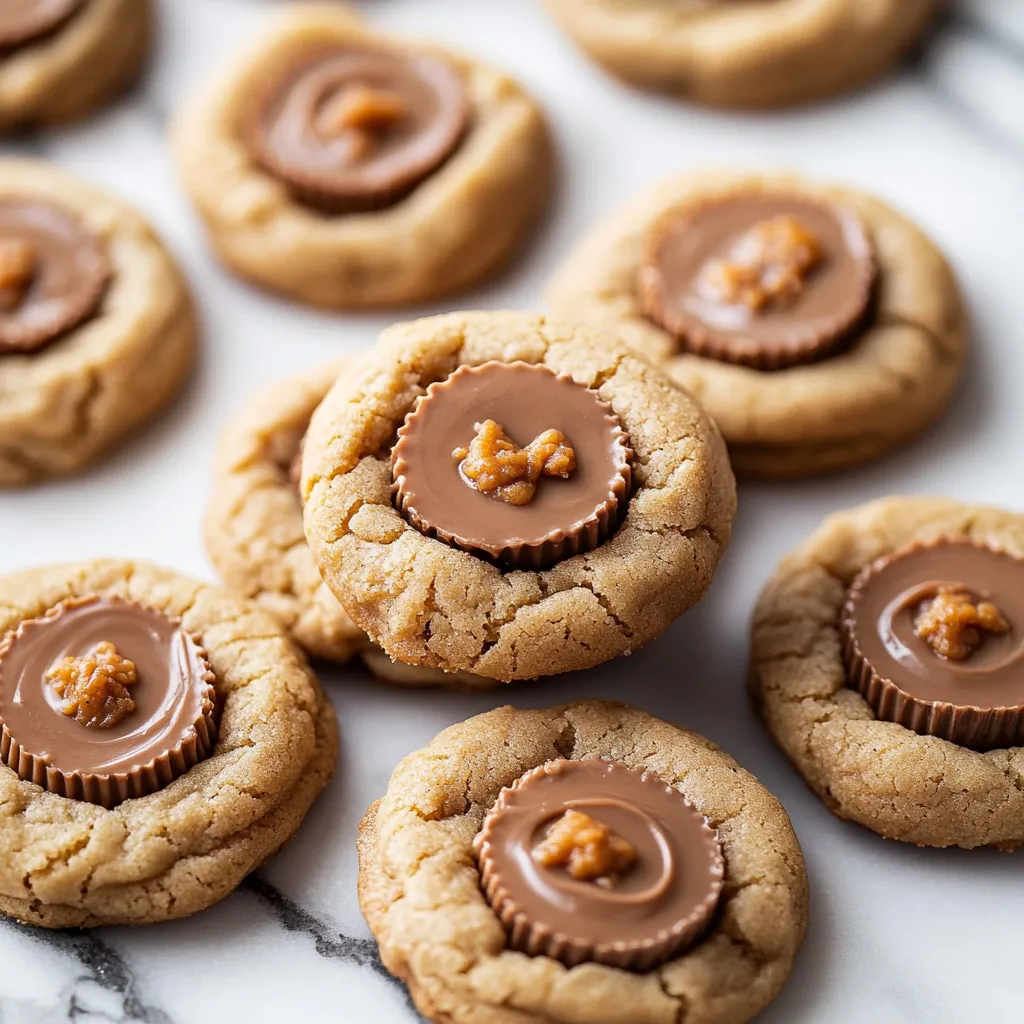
(603, 584)
(818, 326)
(877, 694)
(464, 853)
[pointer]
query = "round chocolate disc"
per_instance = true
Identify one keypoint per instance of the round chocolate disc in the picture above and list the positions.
(565, 515)
(145, 718)
(764, 279)
(592, 860)
(351, 128)
(22, 21)
(53, 273)
(933, 637)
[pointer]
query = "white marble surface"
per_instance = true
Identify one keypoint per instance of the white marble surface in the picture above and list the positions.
(897, 934)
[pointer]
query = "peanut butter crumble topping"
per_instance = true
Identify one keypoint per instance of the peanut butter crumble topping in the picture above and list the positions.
(359, 112)
(586, 848)
(951, 623)
(768, 265)
(94, 687)
(494, 465)
(17, 267)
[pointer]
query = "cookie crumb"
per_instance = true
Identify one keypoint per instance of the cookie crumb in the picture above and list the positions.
(17, 268)
(769, 264)
(494, 465)
(586, 848)
(951, 622)
(94, 687)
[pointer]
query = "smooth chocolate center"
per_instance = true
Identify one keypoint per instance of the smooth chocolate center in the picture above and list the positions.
(351, 128)
(759, 278)
(886, 603)
(673, 879)
(169, 693)
(53, 272)
(526, 400)
(22, 21)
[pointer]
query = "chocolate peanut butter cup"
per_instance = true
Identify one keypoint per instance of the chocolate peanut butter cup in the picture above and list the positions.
(760, 278)
(350, 128)
(24, 21)
(103, 699)
(53, 273)
(514, 463)
(594, 861)
(933, 638)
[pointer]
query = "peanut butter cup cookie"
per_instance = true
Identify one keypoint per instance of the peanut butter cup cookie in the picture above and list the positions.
(582, 863)
(97, 331)
(253, 529)
(888, 663)
(160, 739)
(746, 53)
(349, 169)
(493, 493)
(819, 327)
(60, 59)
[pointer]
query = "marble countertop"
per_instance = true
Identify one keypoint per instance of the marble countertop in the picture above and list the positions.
(897, 934)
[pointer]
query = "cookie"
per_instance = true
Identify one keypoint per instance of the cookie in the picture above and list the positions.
(857, 672)
(138, 841)
(746, 54)
(253, 529)
(818, 326)
(97, 331)
(61, 59)
(449, 841)
(349, 169)
(454, 548)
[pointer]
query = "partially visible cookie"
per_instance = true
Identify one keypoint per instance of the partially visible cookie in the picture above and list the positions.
(253, 529)
(859, 678)
(493, 493)
(60, 59)
(350, 169)
(97, 330)
(432, 854)
(89, 647)
(818, 326)
(744, 53)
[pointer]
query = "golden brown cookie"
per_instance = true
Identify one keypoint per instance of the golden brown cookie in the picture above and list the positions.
(745, 53)
(181, 849)
(63, 58)
(361, 239)
(881, 385)
(420, 888)
(253, 529)
(97, 330)
(431, 603)
(915, 788)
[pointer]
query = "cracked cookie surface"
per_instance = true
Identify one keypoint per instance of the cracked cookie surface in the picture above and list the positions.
(436, 606)
(918, 789)
(179, 850)
(746, 54)
(78, 67)
(894, 380)
(253, 529)
(419, 886)
(64, 406)
(488, 195)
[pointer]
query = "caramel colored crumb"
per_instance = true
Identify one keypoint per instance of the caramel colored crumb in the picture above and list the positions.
(586, 848)
(17, 266)
(94, 687)
(767, 265)
(494, 465)
(360, 112)
(951, 623)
